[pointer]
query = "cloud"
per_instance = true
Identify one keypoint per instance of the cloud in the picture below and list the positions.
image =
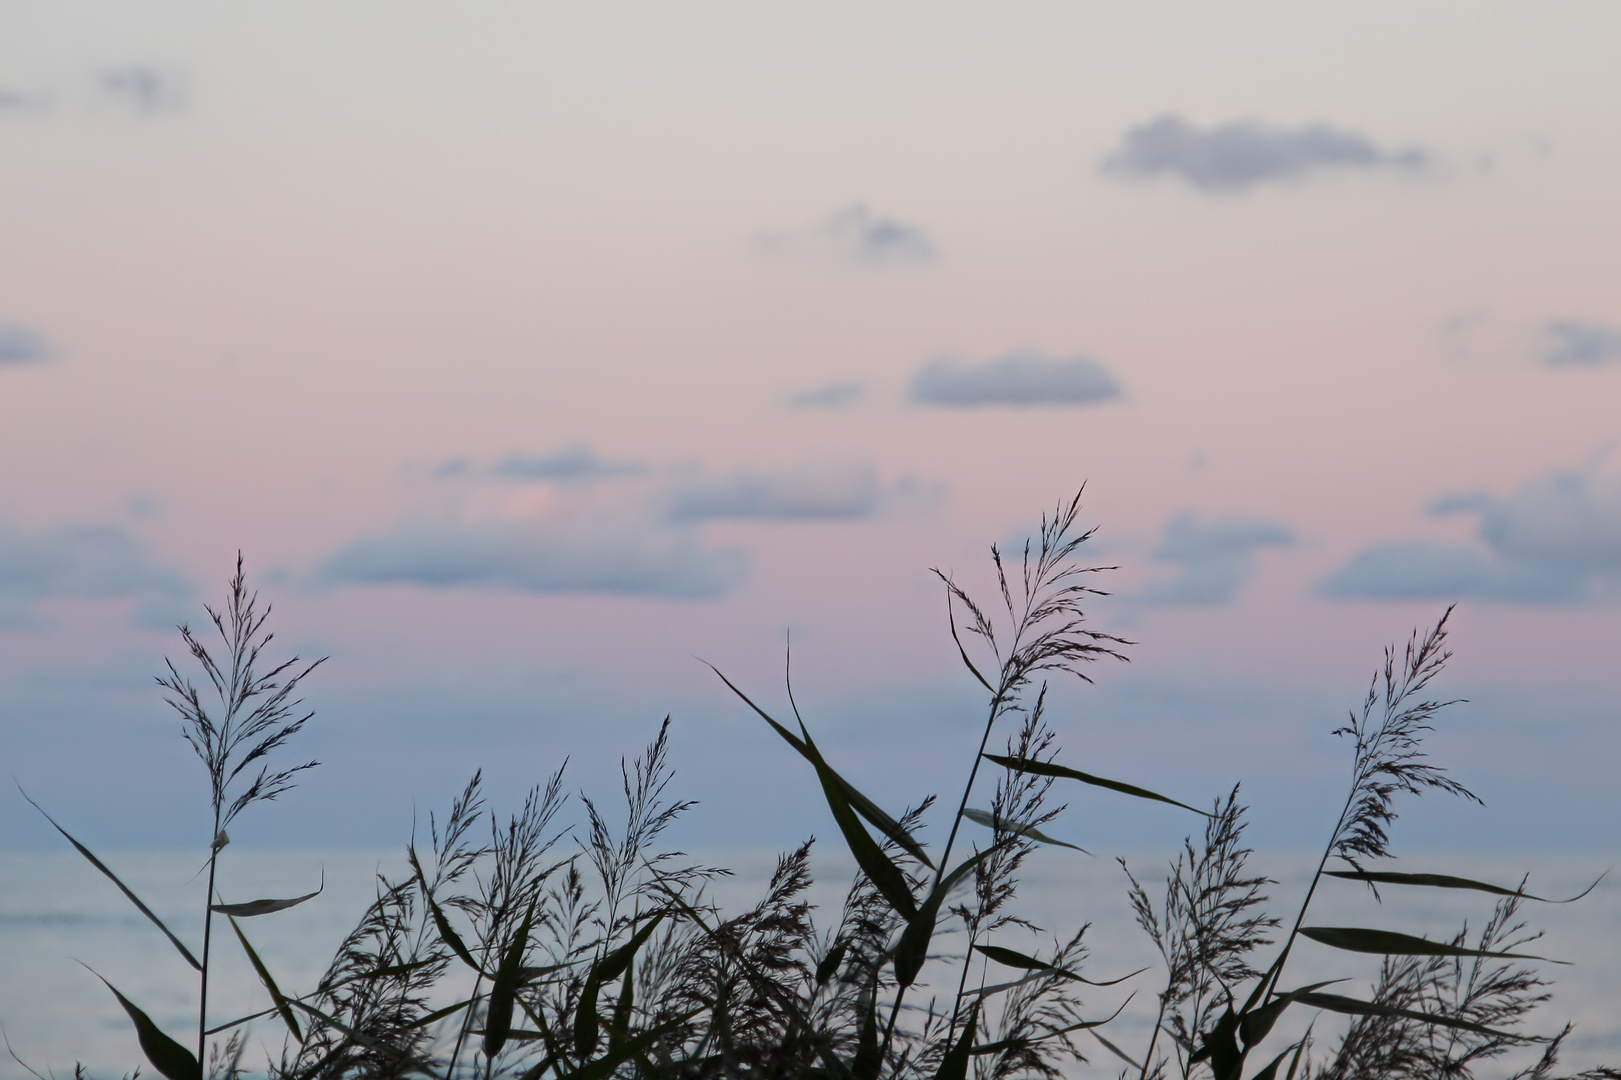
(567, 555)
(1241, 154)
(1556, 540)
(1018, 378)
(1214, 558)
(143, 89)
(575, 462)
(808, 493)
(1569, 343)
(832, 396)
(20, 345)
(83, 562)
(866, 238)
(856, 234)
(1564, 343)
(13, 99)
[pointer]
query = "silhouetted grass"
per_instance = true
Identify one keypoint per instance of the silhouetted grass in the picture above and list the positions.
(522, 945)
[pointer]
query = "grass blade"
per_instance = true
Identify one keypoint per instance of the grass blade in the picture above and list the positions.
(830, 963)
(125, 889)
(504, 989)
(1447, 881)
(859, 802)
(1354, 1007)
(358, 1036)
(1113, 1049)
(447, 933)
(878, 867)
(954, 1066)
(1047, 768)
(1255, 1026)
(265, 907)
(1029, 963)
(167, 1056)
(913, 947)
(604, 1066)
(990, 821)
(276, 997)
(1271, 1070)
(1390, 943)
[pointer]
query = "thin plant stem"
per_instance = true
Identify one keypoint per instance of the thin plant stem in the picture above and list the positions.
(208, 933)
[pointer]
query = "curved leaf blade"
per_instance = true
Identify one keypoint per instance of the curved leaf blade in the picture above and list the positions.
(265, 907)
(125, 889)
(878, 867)
(167, 1056)
(1354, 1007)
(858, 802)
(913, 948)
(1047, 768)
(1390, 943)
(992, 822)
(954, 1066)
(276, 996)
(504, 989)
(1013, 959)
(1447, 881)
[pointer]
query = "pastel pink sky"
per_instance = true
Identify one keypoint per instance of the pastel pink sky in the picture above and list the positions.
(300, 279)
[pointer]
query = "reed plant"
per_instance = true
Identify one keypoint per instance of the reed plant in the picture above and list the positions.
(532, 944)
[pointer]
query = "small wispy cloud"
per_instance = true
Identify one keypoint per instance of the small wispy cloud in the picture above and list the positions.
(1018, 379)
(1214, 558)
(556, 555)
(1241, 154)
(1562, 344)
(831, 396)
(856, 235)
(575, 462)
(143, 89)
(1573, 343)
(15, 100)
(819, 492)
(539, 525)
(83, 562)
(1555, 540)
(20, 345)
(869, 238)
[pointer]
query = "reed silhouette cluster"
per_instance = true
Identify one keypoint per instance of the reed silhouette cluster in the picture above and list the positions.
(524, 945)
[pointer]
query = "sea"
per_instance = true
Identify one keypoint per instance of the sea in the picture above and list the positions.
(62, 924)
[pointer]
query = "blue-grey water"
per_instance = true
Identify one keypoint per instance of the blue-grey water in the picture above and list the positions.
(57, 913)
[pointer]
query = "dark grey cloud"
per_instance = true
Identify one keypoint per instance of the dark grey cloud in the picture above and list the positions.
(1571, 343)
(20, 345)
(143, 89)
(570, 463)
(807, 493)
(832, 396)
(1019, 378)
(1243, 153)
(868, 238)
(1557, 540)
(578, 556)
(1214, 559)
(83, 562)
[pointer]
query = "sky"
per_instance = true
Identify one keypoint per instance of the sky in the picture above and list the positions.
(534, 355)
